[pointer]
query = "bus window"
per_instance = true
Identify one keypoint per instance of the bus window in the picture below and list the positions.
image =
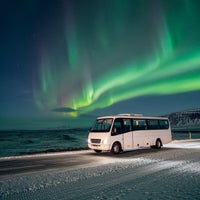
(117, 127)
(126, 125)
(153, 124)
(163, 124)
(139, 124)
(102, 125)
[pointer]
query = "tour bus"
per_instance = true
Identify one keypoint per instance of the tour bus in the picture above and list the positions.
(125, 132)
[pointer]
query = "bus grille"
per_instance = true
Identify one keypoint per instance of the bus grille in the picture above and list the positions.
(97, 141)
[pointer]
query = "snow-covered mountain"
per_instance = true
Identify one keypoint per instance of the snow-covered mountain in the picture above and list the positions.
(185, 119)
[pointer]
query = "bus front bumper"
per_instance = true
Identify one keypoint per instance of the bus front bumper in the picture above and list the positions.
(103, 147)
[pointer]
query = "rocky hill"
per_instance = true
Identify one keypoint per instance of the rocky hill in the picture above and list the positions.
(185, 119)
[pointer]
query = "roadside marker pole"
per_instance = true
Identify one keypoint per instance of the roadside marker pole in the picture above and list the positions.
(190, 135)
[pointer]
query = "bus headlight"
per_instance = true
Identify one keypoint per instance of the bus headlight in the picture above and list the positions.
(105, 141)
(88, 140)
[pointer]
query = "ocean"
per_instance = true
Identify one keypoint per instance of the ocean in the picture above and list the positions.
(25, 142)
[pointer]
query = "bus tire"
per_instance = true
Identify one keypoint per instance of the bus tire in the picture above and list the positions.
(98, 151)
(116, 148)
(158, 144)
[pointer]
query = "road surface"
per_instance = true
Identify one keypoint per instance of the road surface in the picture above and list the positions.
(172, 172)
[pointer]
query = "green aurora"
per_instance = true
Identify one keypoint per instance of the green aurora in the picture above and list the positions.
(117, 50)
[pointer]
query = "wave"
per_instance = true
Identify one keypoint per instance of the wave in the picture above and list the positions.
(23, 142)
(54, 150)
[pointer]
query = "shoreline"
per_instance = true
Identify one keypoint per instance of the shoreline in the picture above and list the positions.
(75, 150)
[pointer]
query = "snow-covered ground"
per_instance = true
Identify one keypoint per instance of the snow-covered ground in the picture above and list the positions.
(170, 173)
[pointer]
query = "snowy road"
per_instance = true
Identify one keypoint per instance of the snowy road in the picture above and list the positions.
(170, 173)
(21, 165)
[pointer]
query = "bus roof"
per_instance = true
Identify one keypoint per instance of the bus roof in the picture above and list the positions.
(136, 116)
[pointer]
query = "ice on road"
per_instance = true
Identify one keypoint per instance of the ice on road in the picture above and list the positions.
(170, 173)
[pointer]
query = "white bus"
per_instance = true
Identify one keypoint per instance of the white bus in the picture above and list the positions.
(125, 132)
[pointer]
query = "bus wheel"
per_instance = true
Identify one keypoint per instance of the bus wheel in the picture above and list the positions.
(98, 151)
(116, 148)
(158, 144)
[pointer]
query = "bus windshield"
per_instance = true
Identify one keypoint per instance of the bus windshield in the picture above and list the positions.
(102, 125)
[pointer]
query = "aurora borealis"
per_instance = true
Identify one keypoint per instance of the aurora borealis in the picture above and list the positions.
(93, 54)
(121, 50)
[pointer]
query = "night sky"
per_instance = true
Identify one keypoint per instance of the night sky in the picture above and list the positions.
(100, 57)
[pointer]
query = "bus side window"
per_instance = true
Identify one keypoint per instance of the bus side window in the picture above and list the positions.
(127, 125)
(153, 124)
(139, 124)
(163, 124)
(117, 127)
